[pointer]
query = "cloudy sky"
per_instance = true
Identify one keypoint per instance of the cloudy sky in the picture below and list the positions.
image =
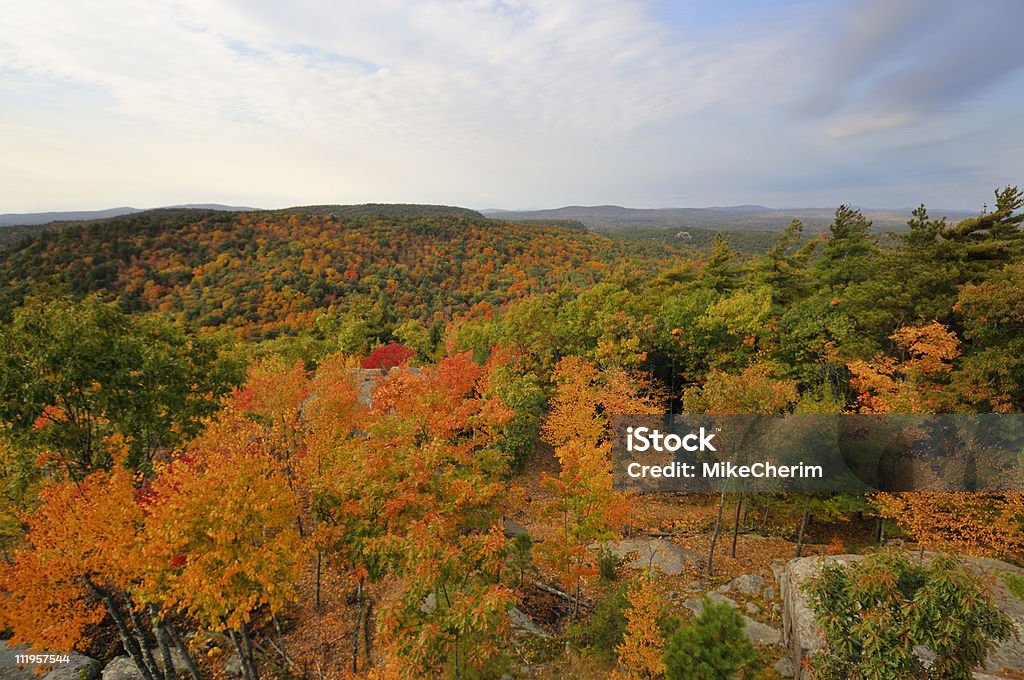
(509, 104)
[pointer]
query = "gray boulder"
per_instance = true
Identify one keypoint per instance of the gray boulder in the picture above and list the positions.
(784, 667)
(758, 632)
(657, 553)
(233, 665)
(123, 668)
(800, 631)
(748, 584)
(524, 624)
(762, 633)
(513, 528)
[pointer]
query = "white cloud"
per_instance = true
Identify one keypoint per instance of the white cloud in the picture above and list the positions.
(481, 102)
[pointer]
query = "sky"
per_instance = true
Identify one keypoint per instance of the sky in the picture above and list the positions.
(513, 104)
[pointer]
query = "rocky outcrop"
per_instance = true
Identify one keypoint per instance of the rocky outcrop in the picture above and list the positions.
(513, 528)
(758, 632)
(656, 553)
(800, 631)
(522, 623)
(79, 666)
(803, 637)
(123, 668)
(747, 584)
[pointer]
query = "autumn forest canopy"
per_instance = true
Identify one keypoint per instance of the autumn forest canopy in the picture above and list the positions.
(333, 442)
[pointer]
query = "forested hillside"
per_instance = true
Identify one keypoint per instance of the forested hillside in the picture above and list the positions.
(267, 272)
(395, 462)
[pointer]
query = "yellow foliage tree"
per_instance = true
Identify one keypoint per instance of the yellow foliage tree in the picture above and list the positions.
(579, 427)
(221, 540)
(641, 652)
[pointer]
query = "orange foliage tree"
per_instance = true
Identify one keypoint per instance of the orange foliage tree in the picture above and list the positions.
(434, 487)
(221, 541)
(920, 383)
(80, 562)
(337, 480)
(586, 508)
(971, 523)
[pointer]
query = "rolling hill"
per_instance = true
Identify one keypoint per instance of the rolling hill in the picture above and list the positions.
(270, 272)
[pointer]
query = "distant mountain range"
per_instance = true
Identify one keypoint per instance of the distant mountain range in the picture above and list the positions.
(751, 217)
(28, 219)
(597, 217)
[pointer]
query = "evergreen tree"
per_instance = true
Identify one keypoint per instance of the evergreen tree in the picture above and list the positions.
(715, 646)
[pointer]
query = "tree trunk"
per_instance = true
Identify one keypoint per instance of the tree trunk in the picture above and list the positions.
(736, 525)
(458, 669)
(280, 639)
(254, 673)
(318, 559)
(131, 645)
(162, 643)
(714, 535)
(367, 631)
(358, 626)
(246, 673)
(800, 536)
(190, 664)
(881, 530)
(147, 654)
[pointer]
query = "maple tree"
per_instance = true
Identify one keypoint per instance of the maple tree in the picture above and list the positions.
(917, 384)
(388, 356)
(586, 508)
(640, 654)
(220, 539)
(80, 563)
(970, 523)
(435, 480)
(336, 472)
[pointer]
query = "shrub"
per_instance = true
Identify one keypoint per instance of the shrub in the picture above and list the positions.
(608, 565)
(715, 646)
(607, 626)
(874, 614)
(388, 356)
(520, 556)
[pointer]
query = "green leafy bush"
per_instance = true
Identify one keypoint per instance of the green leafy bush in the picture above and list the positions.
(874, 614)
